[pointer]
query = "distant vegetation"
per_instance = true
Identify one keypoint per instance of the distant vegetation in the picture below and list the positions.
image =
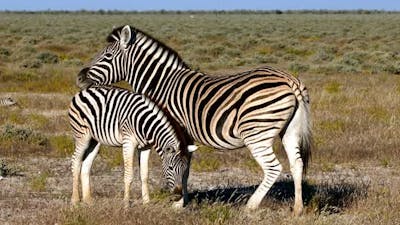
(345, 58)
(171, 12)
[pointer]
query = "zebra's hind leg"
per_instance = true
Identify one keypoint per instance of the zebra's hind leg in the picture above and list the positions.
(265, 157)
(291, 143)
(128, 150)
(82, 145)
(88, 159)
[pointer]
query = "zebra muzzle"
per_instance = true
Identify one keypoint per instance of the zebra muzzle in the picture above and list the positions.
(82, 80)
(177, 190)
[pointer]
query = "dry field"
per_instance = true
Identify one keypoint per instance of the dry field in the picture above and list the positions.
(349, 62)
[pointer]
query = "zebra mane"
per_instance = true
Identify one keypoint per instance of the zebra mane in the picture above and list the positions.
(115, 35)
(181, 133)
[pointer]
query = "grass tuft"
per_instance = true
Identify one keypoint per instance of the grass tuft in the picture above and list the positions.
(6, 170)
(63, 145)
(38, 182)
(332, 87)
(216, 214)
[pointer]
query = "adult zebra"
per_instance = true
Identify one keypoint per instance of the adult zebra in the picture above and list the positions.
(248, 109)
(118, 117)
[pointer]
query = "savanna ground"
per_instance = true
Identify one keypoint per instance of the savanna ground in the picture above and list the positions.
(349, 62)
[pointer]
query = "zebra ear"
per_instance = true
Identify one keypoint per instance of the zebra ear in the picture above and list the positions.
(192, 148)
(128, 36)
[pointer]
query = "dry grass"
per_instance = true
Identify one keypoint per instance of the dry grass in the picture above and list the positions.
(348, 62)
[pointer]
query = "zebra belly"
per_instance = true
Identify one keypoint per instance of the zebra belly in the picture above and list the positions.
(219, 130)
(111, 137)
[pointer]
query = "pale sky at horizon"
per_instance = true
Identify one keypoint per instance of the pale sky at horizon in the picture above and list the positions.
(37, 5)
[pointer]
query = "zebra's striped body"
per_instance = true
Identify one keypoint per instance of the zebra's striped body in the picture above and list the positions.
(118, 117)
(248, 109)
(7, 102)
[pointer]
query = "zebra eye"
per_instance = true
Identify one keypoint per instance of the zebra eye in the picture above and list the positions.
(169, 150)
(108, 55)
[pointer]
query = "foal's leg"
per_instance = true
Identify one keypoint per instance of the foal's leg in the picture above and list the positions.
(128, 151)
(82, 145)
(89, 157)
(144, 156)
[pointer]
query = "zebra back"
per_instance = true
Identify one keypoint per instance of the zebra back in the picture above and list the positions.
(110, 113)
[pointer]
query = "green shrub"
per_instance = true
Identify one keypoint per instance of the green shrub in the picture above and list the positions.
(379, 113)
(62, 145)
(354, 58)
(207, 164)
(38, 182)
(112, 155)
(38, 121)
(332, 87)
(22, 135)
(5, 52)
(48, 58)
(160, 195)
(298, 68)
(216, 214)
(337, 126)
(32, 64)
(6, 170)
(14, 139)
(323, 55)
(393, 68)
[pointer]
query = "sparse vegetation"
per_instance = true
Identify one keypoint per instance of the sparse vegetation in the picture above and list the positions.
(38, 182)
(349, 63)
(6, 170)
(62, 145)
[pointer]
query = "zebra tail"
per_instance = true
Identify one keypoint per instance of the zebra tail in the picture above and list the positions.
(306, 139)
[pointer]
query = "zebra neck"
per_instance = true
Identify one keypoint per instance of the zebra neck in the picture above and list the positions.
(148, 78)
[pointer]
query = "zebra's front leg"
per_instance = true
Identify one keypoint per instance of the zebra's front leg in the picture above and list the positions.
(266, 158)
(185, 196)
(128, 151)
(76, 169)
(91, 154)
(144, 174)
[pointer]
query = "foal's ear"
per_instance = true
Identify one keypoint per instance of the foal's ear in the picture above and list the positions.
(128, 37)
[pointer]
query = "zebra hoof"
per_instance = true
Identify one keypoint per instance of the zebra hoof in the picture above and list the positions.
(145, 201)
(74, 201)
(178, 204)
(297, 211)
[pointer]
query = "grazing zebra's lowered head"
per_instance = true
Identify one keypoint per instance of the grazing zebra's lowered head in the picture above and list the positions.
(8, 102)
(118, 117)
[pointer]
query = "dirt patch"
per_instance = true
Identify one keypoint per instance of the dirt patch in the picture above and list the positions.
(23, 200)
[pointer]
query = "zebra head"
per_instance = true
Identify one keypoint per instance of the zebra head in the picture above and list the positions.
(175, 167)
(109, 66)
(8, 102)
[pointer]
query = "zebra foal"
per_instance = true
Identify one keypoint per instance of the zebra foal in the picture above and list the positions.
(118, 117)
(249, 109)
